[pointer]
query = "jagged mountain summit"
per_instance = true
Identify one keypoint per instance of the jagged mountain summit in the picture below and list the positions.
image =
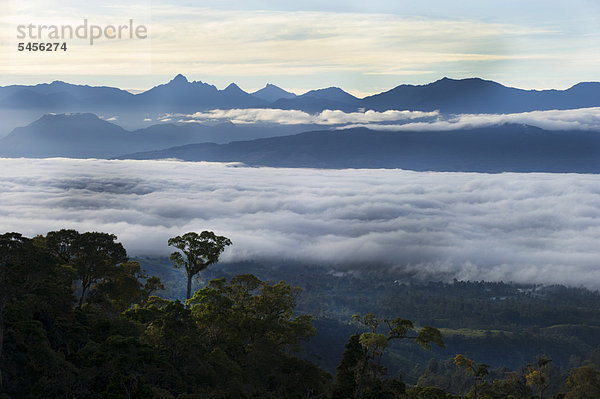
(182, 95)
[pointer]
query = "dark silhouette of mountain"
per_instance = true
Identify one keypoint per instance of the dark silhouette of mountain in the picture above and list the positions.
(312, 105)
(481, 96)
(516, 148)
(180, 95)
(179, 91)
(61, 95)
(76, 135)
(167, 135)
(85, 135)
(177, 95)
(161, 135)
(332, 94)
(507, 148)
(319, 100)
(272, 93)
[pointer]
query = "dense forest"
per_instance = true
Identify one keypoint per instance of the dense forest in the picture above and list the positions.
(80, 319)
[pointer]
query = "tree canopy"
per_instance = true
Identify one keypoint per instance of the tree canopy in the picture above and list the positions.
(197, 252)
(237, 336)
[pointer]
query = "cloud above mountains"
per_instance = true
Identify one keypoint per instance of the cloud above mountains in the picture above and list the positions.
(570, 119)
(512, 227)
(395, 120)
(297, 117)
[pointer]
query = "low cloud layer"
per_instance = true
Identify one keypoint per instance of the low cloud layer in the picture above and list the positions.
(395, 120)
(570, 119)
(512, 227)
(297, 117)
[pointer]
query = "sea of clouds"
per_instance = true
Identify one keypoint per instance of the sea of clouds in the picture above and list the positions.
(534, 227)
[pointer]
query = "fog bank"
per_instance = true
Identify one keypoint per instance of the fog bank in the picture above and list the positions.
(514, 227)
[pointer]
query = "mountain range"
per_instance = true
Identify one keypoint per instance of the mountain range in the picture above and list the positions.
(85, 135)
(508, 147)
(180, 95)
(505, 148)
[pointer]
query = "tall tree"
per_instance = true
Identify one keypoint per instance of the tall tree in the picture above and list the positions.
(537, 377)
(198, 251)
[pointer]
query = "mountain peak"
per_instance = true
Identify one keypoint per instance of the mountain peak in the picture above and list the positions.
(84, 117)
(331, 93)
(463, 81)
(179, 79)
(233, 87)
(272, 93)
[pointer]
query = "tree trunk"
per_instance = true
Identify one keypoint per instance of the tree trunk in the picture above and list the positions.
(83, 290)
(189, 288)
(361, 382)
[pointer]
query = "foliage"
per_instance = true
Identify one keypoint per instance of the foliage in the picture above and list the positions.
(197, 252)
(360, 372)
(479, 371)
(583, 382)
(78, 318)
(94, 258)
(536, 376)
(346, 378)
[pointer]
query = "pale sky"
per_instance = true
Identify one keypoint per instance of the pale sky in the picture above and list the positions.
(362, 46)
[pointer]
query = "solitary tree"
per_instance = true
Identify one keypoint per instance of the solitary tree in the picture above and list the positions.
(198, 251)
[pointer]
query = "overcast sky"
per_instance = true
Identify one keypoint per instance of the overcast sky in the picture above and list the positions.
(362, 46)
(533, 227)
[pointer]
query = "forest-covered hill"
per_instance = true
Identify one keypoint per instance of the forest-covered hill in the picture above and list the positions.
(78, 318)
